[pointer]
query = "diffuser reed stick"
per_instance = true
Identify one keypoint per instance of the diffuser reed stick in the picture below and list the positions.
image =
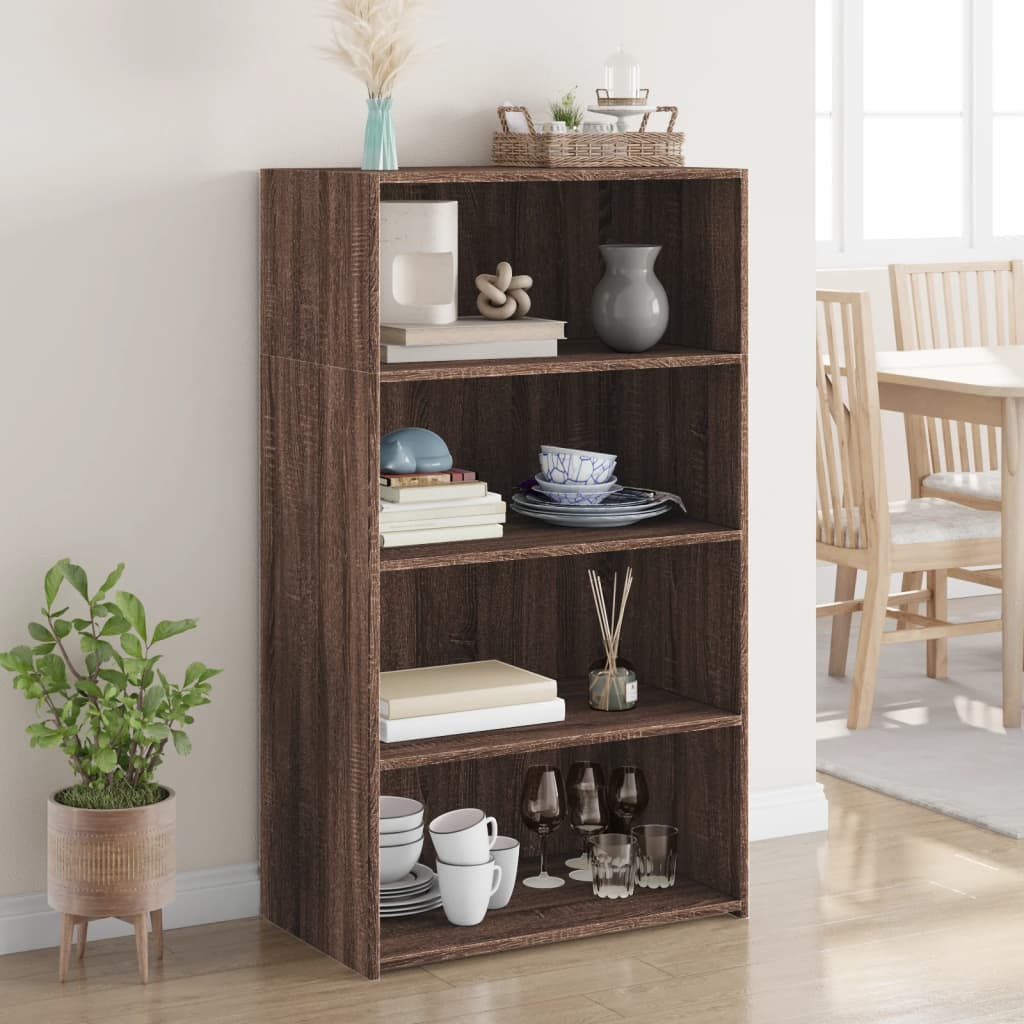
(610, 622)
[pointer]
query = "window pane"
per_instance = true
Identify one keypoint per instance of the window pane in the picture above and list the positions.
(913, 56)
(1007, 67)
(823, 178)
(1007, 174)
(913, 177)
(823, 55)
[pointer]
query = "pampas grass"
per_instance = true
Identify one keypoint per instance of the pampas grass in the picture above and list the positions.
(373, 40)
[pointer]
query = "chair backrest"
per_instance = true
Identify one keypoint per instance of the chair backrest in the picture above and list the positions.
(853, 511)
(955, 305)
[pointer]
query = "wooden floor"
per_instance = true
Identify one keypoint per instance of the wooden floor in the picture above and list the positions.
(901, 916)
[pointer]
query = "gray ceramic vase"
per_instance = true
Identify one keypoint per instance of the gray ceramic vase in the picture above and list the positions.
(630, 307)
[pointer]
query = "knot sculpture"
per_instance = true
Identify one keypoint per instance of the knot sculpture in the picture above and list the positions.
(503, 296)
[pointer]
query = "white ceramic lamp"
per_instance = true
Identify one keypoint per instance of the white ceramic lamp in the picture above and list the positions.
(419, 262)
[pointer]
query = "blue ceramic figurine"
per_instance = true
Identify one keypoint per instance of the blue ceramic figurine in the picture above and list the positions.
(414, 450)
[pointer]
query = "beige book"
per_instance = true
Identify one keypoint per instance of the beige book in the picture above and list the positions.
(469, 686)
(444, 522)
(434, 492)
(473, 329)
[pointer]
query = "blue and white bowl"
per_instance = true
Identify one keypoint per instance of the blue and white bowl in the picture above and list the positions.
(575, 494)
(573, 466)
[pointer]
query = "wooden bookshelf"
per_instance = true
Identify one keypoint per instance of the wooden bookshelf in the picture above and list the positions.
(337, 609)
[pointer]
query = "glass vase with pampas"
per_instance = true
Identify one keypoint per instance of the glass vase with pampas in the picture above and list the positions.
(373, 40)
(613, 683)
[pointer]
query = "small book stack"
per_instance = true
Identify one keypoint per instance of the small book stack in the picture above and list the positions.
(434, 508)
(471, 337)
(446, 700)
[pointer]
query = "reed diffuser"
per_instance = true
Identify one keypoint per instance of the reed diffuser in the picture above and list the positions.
(613, 685)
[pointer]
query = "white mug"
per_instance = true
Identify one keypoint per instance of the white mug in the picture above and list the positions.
(466, 890)
(464, 836)
(506, 855)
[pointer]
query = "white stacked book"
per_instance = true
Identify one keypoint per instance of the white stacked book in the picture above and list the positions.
(439, 514)
(446, 700)
(471, 337)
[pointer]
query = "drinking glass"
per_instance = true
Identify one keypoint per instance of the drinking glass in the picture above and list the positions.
(613, 864)
(627, 796)
(655, 855)
(542, 808)
(588, 812)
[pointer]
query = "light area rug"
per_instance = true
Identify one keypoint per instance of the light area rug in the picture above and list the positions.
(938, 744)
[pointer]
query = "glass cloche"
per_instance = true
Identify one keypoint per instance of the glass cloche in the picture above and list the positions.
(622, 77)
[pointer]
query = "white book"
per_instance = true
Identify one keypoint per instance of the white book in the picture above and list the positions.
(473, 350)
(432, 511)
(473, 329)
(457, 722)
(433, 492)
(441, 535)
(387, 526)
(464, 686)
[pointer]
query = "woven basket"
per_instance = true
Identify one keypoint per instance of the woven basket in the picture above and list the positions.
(587, 149)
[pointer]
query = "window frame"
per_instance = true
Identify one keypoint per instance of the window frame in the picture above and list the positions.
(848, 247)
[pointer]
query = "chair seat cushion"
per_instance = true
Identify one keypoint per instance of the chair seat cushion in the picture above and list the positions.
(930, 521)
(987, 485)
(934, 520)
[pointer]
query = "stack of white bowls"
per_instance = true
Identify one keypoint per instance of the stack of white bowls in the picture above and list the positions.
(401, 837)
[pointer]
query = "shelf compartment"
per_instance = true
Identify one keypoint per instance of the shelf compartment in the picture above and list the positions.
(538, 540)
(589, 356)
(538, 916)
(659, 713)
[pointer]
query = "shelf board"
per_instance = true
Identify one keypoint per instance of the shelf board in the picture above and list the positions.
(538, 916)
(530, 539)
(589, 356)
(659, 713)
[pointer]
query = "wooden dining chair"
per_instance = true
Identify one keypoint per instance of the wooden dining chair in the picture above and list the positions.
(956, 305)
(859, 531)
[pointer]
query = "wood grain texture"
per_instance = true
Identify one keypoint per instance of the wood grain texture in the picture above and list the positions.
(676, 418)
(660, 712)
(319, 676)
(678, 430)
(319, 267)
(573, 357)
(525, 538)
(685, 628)
(538, 916)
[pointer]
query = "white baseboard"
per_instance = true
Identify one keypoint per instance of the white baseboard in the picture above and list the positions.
(789, 811)
(217, 894)
(826, 586)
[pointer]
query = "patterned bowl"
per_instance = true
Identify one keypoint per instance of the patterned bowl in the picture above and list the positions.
(573, 466)
(576, 494)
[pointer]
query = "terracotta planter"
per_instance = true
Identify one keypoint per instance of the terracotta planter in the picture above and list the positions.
(110, 864)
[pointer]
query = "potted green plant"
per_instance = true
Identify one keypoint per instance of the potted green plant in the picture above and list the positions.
(112, 710)
(567, 109)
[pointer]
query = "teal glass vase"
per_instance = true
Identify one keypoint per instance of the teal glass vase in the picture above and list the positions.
(379, 151)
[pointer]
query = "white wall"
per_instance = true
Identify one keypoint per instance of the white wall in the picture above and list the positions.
(132, 132)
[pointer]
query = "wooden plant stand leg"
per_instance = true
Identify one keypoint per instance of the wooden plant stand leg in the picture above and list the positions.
(157, 918)
(67, 928)
(142, 944)
(83, 934)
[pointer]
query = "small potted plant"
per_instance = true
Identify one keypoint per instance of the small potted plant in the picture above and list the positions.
(567, 110)
(111, 709)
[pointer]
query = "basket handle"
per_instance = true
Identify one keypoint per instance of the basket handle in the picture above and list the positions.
(502, 111)
(672, 111)
(646, 93)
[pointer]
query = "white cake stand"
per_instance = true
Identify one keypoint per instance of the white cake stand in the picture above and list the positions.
(623, 114)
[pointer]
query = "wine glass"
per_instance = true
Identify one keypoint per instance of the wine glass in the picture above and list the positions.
(542, 808)
(588, 812)
(627, 796)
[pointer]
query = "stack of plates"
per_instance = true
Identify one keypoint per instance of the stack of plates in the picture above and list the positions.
(620, 508)
(416, 893)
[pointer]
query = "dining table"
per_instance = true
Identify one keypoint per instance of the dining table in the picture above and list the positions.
(983, 385)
